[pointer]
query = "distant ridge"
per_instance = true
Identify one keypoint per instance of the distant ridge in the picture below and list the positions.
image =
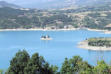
(50, 4)
(91, 2)
(6, 4)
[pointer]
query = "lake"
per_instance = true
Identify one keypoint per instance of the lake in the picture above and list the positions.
(64, 44)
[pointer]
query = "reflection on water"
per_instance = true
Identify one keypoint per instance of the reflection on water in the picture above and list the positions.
(99, 55)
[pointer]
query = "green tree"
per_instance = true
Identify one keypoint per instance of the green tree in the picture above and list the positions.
(66, 68)
(34, 65)
(1, 71)
(23, 64)
(85, 68)
(18, 63)
(37, 65)
(101, 68)
(75, 65)
(54, 69)
(76, 62)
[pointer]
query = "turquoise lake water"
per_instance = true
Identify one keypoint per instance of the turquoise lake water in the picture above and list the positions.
(64, 44)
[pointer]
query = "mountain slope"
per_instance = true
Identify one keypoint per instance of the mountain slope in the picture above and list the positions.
(58, 3)
(44, 4)
(5, 4)
(91, 2)
(95, 17)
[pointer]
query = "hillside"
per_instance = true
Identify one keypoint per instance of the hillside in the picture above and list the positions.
(91, 2)
(5, 4)
(52, 4)
(94, 17)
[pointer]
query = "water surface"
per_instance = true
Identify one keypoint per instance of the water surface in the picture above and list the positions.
(64, 44)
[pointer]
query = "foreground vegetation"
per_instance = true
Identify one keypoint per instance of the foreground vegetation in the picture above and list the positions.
(22, 63)
(1, 71)
(103, 42)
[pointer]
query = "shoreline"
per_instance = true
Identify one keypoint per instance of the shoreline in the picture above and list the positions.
(71, 29)
(39, 29)
(98, 30)
(84, 45)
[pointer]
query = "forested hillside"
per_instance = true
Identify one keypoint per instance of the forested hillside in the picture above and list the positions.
(96, 17)
(24, 18)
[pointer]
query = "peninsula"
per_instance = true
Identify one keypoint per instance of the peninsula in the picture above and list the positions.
(101, 43)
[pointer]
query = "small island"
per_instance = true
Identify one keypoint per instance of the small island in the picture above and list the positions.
(101, 43)
(47, 37)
